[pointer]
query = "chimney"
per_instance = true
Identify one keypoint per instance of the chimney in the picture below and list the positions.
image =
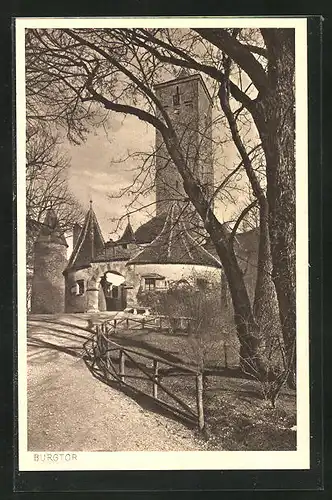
(76, 232)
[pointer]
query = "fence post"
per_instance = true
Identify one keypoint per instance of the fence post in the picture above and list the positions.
(199, 399)
(114, 323)
(188, 326)
(155, 376)
(122, 365)
(127, 322)
(108, 354)
(99, 340)
(225, 354)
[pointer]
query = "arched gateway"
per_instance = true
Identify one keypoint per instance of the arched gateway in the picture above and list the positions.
(112, 287)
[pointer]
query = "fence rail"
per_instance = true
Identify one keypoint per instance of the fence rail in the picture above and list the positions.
(155, 322)
(113, 360)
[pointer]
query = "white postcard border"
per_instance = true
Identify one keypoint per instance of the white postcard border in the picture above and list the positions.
(222, 460)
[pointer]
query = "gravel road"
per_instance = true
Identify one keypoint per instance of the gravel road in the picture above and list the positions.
(68, 409)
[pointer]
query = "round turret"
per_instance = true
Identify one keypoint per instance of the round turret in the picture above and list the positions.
(50, 260)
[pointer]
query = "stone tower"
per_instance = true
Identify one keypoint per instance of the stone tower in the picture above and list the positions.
(189, 106)
(50, 260)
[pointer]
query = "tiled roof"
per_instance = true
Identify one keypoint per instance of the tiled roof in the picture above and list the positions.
(50, 230)
(150, 230)
(89, 243)
(128, 235)
(174, 245)
(245, 244)
(153, 275)
(249, 240)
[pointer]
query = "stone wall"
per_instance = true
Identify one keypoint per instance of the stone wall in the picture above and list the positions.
(48, 283)
(93, 298)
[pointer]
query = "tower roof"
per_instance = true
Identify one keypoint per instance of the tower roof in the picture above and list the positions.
(89, 243)
(127, 236)
(50, 230)
(174, 245)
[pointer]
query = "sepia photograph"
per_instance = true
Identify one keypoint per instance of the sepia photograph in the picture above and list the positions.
(162, 243)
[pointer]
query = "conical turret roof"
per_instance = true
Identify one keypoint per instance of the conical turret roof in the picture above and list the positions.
(128, 235)
(50, 230)
(174, 245)
(89, 242)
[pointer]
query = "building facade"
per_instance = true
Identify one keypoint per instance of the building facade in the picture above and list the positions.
(108, 276)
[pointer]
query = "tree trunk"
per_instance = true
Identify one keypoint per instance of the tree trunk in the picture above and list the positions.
(265, 306)
(277, 131)
(251, 360)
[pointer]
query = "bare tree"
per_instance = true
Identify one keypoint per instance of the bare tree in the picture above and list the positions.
(46, 188)
(75, 70)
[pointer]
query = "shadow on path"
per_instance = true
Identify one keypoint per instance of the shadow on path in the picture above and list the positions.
(146, 402)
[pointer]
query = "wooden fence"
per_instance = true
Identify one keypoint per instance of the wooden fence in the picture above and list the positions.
(113, 360)
(155, 322)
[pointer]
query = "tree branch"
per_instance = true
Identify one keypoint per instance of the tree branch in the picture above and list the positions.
(189, 62)
(224, 101)
(125, 108)
(147, 91)
(240, 54)
(240, 219)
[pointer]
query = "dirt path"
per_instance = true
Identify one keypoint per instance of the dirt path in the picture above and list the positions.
(68, 409)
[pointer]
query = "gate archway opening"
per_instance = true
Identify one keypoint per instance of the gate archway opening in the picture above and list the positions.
(113, 287)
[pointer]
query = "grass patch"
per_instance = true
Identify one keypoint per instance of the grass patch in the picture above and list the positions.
(237, 415)
(238, 418)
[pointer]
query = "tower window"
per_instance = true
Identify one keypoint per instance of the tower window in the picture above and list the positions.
(177, 184)
(176, 97)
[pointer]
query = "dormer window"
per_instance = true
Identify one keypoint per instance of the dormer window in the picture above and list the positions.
(154, 282)
(176, 98)
(150, 283)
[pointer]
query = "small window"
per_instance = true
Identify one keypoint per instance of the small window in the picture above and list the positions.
(161, 284)
(125, 246)
(176, 98)
(177, 184)
(150, 283)
(115, 292)
(80, 287)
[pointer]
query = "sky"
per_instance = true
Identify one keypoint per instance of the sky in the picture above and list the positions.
(96, 170)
